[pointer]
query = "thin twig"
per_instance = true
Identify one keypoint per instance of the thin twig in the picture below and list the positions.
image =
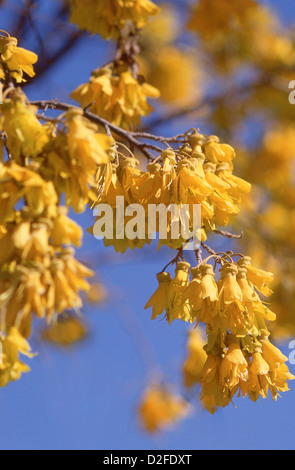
(228, 234)
(175, 260)
(127, 135)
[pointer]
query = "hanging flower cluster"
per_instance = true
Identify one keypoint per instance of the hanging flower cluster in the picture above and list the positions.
(199, 172)
(51, 165)
(109, 17)
(118, 96)
(14, 60)
(39, 274)
(240, 357)
(11, 368)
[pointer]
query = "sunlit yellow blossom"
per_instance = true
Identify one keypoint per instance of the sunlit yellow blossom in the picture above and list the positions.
(129, 177)
(259, 379)
(65, 230)
(17, 182)
(232, 312)
(67, 280)
(87, 147)
(161, 408)
(229, 289)
(190, 184)
(211, 395)
(259, 278)
(15, 59)
(25, 241)
(215, 182)
(72, 159)
(196, 358)
(234, 371)
(177, 308)
(11, 368)
(278, 370)
(120, 98)
(26, 298)
(217, 152)
(26, 137)
(238, 187)
(149, 190)
(159, 299)
(202, 293)
(108, 17)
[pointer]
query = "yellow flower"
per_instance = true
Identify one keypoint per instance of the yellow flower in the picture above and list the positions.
(278, 370)
(87, 148)
(257, 277)
(72, 158)
(108, 17)
(161, 408)
(11, 368)
(65, 332)
(177, 308)
(202, 293)
(26, 297)
(25, 241)
(65, 230)
(196, 358)
(26, 137)
(216, 152)
(149, 189)
(259, 379)
(17, 182)
(215, 182)
(129, 177)
(229, 289)
(118, 97)
(15, 59)
(169, 176)
(108, 185)
(234, 371)
(159, 299)
(67, 280)
(211, 395)
(232, 312)
(192, 187)
(237, 186)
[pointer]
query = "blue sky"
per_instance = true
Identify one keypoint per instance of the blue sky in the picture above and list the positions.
(86, 398)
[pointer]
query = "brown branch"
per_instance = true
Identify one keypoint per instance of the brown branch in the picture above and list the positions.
(228, 234)
(175, 260)
(198, 254)
(24, 13)
(127, 135)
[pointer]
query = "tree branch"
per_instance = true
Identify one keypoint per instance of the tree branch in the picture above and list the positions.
(127, 135)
